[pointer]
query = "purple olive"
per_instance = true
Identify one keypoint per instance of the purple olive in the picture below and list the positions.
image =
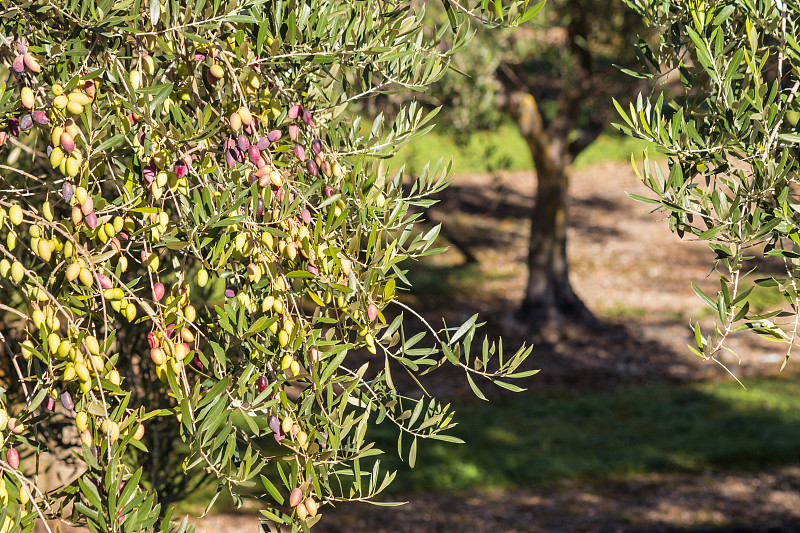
(22, 45)
(253, 153)
(316, 146)
(252, 177)
(263, 143)
(50, 403)
(158, 291)
(19, 64)
(67, 142)
(67, 190)
(243, 142)
(26, 123)
(274, 135)
(40, 117)
(311, 166)
(13, 126)
(372, 312)
(260, 207)
(96, 452)
(31, 63)
(230, 158)
(66, 401)
(305, 214)
(308, 118)
(148, 175)
(299, 152)
(294, 132)
(181, 169)
(262, 383)
(294, 111)
(105, 281)
(314, 270)
(274, 423)
(230, 292)
(12, 456)
(91, 220)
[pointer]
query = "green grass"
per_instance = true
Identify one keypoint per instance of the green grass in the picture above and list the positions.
(539, 437)
(594, 435)
(502, 149)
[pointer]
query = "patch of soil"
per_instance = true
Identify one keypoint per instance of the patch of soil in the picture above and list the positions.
(764, 502)
(626, 265)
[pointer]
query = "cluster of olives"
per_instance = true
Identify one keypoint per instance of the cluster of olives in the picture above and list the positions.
(303, 507)
(86, 238)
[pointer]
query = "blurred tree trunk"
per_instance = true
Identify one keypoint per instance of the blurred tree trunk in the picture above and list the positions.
(549, 297)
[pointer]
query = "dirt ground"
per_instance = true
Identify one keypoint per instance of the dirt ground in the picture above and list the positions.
(635, 274)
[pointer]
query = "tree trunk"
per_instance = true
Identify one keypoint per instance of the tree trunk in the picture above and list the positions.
(549, 297)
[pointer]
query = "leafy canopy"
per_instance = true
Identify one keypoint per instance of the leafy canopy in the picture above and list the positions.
(201, 252)
(725, 111)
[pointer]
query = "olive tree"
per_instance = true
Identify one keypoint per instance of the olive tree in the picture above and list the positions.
(201, 254)
(725, 112)
(554, 79)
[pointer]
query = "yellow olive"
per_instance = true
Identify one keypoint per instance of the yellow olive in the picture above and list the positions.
(15, 214)
(130, 312)
(74, 107)
(53, 342)
(73, 270)
(91, 344)
(135, 78)
(286, 424)
(82, 421)
(47, 208)
(60, 102)
(79, 97)
(27, 97)
(63, 349)
(69, 372)
(17, 271)
(73, 166)
(27, 349)
(86, 277)
(82, 372)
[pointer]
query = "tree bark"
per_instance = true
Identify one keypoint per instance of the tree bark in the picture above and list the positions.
(549, 297)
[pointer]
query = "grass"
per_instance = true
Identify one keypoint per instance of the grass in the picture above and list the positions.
(503, 149)
(591, 435)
